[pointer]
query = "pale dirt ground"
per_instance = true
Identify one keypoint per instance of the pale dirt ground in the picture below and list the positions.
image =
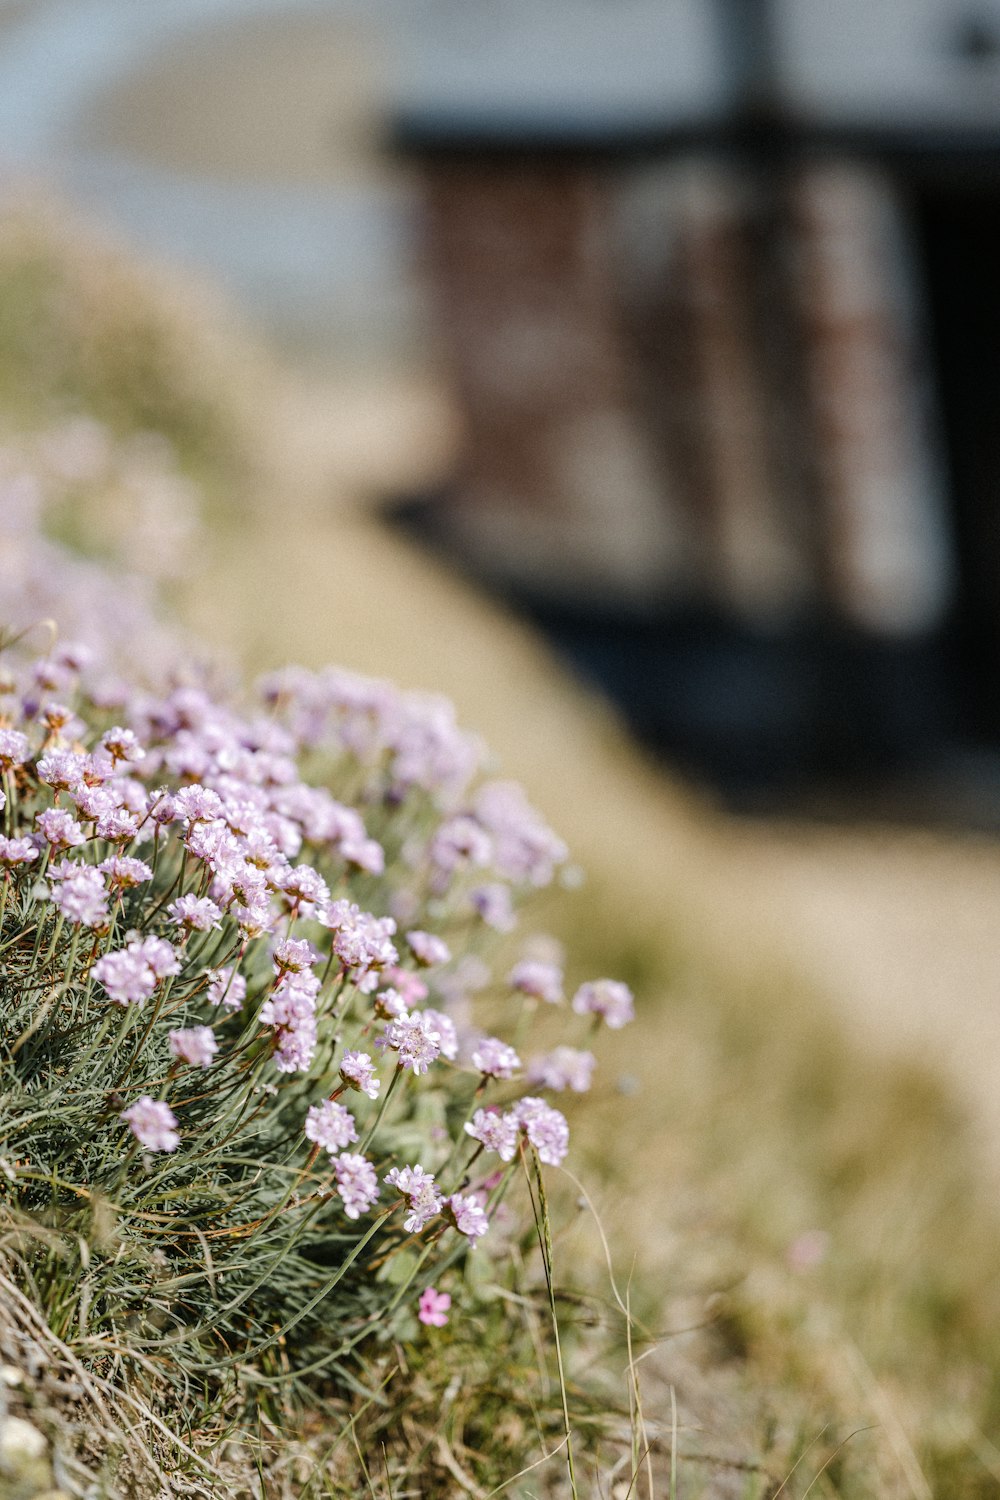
(900, 930)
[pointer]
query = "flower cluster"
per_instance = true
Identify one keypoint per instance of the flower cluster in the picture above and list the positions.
(270, 925)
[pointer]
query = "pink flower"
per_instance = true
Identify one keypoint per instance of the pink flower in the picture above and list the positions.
(420, 1188)
(493, 903)
(160, 955)
(121, 744)
(16, 851)
(465, 1212)
(415, 1039)
(124, 872)
(433, 1307)
(195, 1045)
(81, 897)
(494, 1059)
(428, 949)
(196, 913)
(228, 989)
(563, 1068)
(153, 1124)
(330, 1125)
(608, 998)
(59, 829)
(358, 1072)
(61, 769)
(497, 1132)
(125, 975)
(541, 981)
(357, 1183)
(14, 749)
(545, 1128)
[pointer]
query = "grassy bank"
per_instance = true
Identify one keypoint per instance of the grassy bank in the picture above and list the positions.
(797, 1220)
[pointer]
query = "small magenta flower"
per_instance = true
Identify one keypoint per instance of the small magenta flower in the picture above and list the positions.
(14, 749)
(433, 1307)
(153, 1124)
(196, 1045)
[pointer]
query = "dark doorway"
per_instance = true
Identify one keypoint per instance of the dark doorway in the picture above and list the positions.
(958, 233)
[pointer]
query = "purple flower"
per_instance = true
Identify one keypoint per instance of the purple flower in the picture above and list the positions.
(330, 1125)
(545, 1128)
(465, 1212)
(195, 1045)
(608, 998)
(497, 1132)
(415, 1039)
(196, 913)
(563, 1068)
(409, 986)
(542, 981)
(420, 1188)
(357, 1183)
(428, 949)
(153, 1124)
(433, 1307)
(358, 1072)
(494, 1058)
(228, 989)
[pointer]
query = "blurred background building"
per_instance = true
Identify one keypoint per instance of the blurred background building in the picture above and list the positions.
(713, 285)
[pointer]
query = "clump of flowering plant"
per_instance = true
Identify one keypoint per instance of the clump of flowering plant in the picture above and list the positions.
(264, 1036)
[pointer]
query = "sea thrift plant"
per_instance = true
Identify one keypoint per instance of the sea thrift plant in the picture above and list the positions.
(264, 1013)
